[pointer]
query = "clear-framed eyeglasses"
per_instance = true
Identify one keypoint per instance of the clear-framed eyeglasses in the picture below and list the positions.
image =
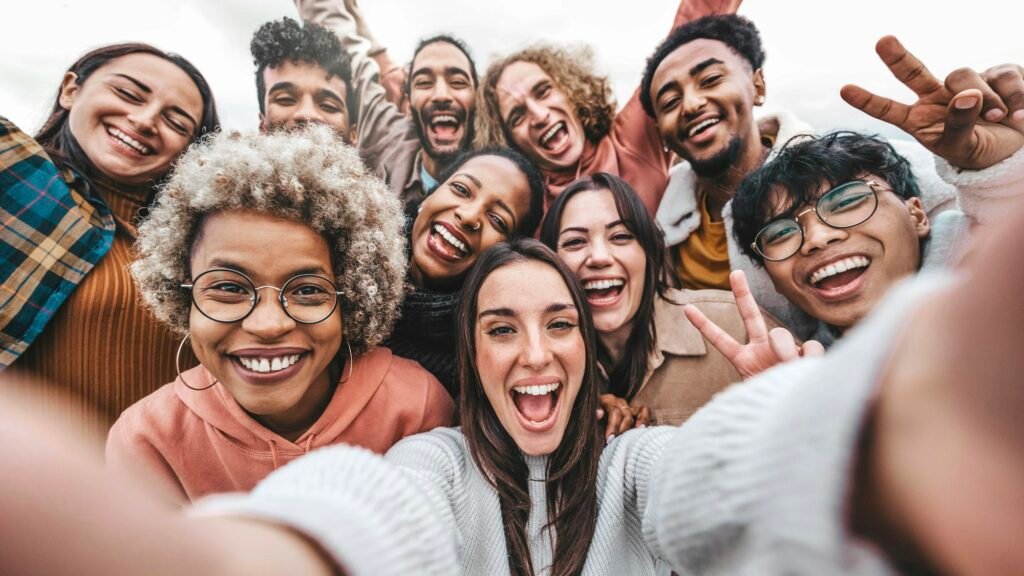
(844, 206)
(225, 295)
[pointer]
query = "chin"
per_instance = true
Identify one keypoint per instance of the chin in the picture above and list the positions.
(534, 446)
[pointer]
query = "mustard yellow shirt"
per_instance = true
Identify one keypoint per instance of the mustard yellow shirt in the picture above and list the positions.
(704, 256)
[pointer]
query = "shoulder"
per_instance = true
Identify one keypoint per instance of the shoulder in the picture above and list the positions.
(412, 384)
(155, 415)
(713, 303)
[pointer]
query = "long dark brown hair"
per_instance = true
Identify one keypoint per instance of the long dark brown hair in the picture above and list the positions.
(572, 469)
(627, 375)
(55, 135)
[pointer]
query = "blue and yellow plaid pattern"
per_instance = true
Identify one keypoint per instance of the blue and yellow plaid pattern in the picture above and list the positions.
(51, 235)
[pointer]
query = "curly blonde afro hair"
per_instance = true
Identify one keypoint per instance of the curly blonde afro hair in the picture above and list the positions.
(307, 175)
(572, 70)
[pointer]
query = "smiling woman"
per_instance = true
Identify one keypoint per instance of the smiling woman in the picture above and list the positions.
(282, 259)
(71, 200)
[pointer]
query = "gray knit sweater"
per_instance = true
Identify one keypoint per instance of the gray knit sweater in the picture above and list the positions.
(755, 483)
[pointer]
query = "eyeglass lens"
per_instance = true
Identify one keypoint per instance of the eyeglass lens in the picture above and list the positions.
(842, 207)
(228, 296)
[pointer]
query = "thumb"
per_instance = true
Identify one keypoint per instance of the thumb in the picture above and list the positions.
(961, 116)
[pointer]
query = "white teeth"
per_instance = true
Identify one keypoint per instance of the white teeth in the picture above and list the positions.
(451, 239)
(838, 267)
(602, 284)
(550, 133)
(538, 390)
(703, 125)
(264, 365)
(444, 118)
(139, 146)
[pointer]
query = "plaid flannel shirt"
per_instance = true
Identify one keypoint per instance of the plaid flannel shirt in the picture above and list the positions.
(51, 235)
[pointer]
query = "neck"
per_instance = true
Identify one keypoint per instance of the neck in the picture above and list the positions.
(293, 423)
(720, 189)
(613, 344)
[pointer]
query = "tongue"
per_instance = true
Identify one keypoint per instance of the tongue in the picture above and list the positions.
(444, 130)
(841, 279)
(536, 408)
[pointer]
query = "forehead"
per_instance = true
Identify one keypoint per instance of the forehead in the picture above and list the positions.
(516, 82)
(590, 209)
(525, 287)
(440, 55)
(500, 179)
(260, 242)
(164, 78)
(680, 62)
(305, 76)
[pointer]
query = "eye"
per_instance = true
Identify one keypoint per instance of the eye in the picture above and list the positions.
(423, 84)
(226, 291)
(781, 232)
(500, 331)
(499, 223)
(177, 126)
(561, 326)
(330, 107)
(669, 103)
(460, 189)
(514, 119)
(459, 84)
(848, 201)
(283, 100)
(572, 243)
(128, 95)
(623, 237)
(710, 80)
(544, 91)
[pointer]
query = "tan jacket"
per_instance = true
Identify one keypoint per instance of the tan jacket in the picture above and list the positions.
(685, 371)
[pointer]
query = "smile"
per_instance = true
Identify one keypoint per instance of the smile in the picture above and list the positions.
(447, 243)
(548, 140)
(839, 273)
(702, 126)
(603, 291)
(266, 365)
(537, 405)
(445, 126)
(129, 141)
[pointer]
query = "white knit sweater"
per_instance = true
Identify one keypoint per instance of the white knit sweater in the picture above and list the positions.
(755, 483)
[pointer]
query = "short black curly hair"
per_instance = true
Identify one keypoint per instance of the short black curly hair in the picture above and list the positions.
(283, 40)
(800, 168)
(736, 32)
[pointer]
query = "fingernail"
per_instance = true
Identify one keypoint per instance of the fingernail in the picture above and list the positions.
(1019, 114)
(966, 102)
(993, 114)
(600, 413)
(642, 426)
(610, 438)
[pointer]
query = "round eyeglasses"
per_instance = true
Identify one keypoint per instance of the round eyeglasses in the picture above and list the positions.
(225, 295)
(844, 206)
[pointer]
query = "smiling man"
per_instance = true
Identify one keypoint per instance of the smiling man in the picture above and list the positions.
(302, 76)
(409, 150)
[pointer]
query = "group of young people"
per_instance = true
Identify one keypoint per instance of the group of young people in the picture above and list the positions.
(510, 319)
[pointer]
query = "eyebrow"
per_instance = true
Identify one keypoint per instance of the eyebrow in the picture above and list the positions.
(700, 66)
(328, 93)
(148, 90)
(583, 230)
(448, 71)
(508, 312)
(232, 265)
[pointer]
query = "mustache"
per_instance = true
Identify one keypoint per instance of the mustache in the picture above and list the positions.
(428, 112)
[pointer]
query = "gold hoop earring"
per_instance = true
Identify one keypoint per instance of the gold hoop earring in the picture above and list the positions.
(351, 361)
(177, 366)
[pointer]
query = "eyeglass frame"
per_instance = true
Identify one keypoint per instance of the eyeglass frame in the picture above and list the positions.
(874, 185)
(255, 299)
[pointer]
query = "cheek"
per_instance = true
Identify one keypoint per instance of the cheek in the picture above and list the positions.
(206, 335)
(574, 260)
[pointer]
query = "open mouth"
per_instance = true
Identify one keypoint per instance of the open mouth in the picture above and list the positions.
(555, 137)
(702, 127)
(129, 142)
(537, 404)
(445, 126)
(839, 274)
(603, 292)
(267, 364)
(446, 244)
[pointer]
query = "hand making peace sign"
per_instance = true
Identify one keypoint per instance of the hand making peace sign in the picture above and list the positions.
(764, 349)
(948, 118)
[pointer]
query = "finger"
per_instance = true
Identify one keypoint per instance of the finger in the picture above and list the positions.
(811, 348)
(1007, 81)
(906, 67)
(753, 320)
(626, 423)
(614, 419)
(963, 79)
(718, 338)
(600, 413)
(961, 116)
(642, 416)
(885, 109)
(783, 344)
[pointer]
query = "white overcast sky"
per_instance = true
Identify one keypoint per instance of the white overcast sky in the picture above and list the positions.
(813, 47)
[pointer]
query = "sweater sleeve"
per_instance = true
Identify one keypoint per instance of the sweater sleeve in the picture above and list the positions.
(985, 194)
(370, 514)
(757, 481)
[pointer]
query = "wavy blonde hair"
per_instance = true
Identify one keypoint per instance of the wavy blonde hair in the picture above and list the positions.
(572, 70)
(309, 176)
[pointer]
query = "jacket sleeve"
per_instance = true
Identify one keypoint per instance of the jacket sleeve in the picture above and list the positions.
(985, 194)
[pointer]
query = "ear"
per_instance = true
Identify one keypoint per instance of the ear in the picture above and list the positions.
(68, 90)
(353, 134)
(759, 86)
(263, 123)
(917, 214)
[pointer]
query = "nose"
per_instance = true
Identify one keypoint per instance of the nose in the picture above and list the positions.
(693, 102)
(306, 111)
(268, 319)
(144, 118)
(535, 353)
(470, 215)
(538, 113)
(817, 234)
(599, 255)
(442, 92)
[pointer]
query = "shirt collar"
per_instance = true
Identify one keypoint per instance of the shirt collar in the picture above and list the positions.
(676, 335)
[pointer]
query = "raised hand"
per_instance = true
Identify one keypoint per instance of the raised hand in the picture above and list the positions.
(621, 416)
(972, 120)
(764, 349)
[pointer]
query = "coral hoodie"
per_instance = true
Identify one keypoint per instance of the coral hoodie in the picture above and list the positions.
(199, 442)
